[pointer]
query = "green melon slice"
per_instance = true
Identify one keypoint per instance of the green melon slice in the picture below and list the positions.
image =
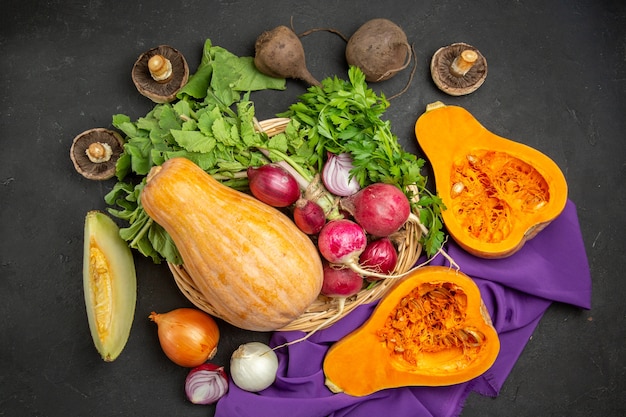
(109, 284)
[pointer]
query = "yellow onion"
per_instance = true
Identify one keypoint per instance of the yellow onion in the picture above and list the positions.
(187, 336)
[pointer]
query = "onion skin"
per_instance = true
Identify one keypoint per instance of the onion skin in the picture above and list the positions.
(206, 384)
(253, 366)
(188, 336)
(381, 209)
(273, 185)
(336, 175)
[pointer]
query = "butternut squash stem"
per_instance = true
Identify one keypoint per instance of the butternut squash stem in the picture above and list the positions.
(340, 308)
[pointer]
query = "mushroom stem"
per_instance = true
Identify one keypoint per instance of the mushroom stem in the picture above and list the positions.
(160, 68)
(99, 152)
(463, 63)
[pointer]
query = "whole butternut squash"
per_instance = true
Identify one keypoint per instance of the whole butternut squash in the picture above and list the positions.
(499, 193)
(249, 261)
(430, 329)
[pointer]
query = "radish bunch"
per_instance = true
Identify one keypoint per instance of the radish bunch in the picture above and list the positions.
(354, 247)
(362, 243)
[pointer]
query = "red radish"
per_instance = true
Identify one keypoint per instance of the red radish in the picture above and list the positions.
(381, 209)
(380, 255)
(273, 185)
(341, 242)
(340, 281)
(309, 216)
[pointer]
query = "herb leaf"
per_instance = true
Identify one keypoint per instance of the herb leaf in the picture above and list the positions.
(200, 126)
(213, 124)
(346, 116)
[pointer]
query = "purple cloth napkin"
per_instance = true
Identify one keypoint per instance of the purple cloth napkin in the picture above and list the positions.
(517, 290)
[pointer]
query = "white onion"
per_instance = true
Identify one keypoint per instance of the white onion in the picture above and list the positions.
(253, 366)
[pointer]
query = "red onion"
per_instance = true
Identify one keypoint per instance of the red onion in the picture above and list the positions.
(379, 208)
(380, 255)
(336, 175)
(309, 216)
(273, 185)
(206, 384)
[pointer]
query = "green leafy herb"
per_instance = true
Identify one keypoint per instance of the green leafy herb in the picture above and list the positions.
(347, 116)
(211, 124)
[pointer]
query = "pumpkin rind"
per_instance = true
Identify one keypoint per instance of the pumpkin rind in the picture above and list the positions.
(250, 261)
(453, 140)
(362, 362)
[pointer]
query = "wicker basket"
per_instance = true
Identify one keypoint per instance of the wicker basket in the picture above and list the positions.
(323, 311)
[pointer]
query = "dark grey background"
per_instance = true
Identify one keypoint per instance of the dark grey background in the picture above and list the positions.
(557, 81)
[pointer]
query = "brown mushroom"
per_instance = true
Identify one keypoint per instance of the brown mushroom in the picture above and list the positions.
(458, 69)
(160, 73)
(95, 153)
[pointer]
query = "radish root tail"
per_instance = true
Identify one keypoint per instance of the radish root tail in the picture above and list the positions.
(340, 307)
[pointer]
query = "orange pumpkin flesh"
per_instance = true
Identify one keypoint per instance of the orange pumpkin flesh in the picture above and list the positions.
(498, 193)
(430, 329)
(249, 261)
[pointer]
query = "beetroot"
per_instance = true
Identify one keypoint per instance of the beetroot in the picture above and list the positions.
(380, 49)
(279, 53)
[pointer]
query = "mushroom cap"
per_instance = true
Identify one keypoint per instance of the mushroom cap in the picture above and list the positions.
(96, 170)
(159, 91)
(452, 84)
